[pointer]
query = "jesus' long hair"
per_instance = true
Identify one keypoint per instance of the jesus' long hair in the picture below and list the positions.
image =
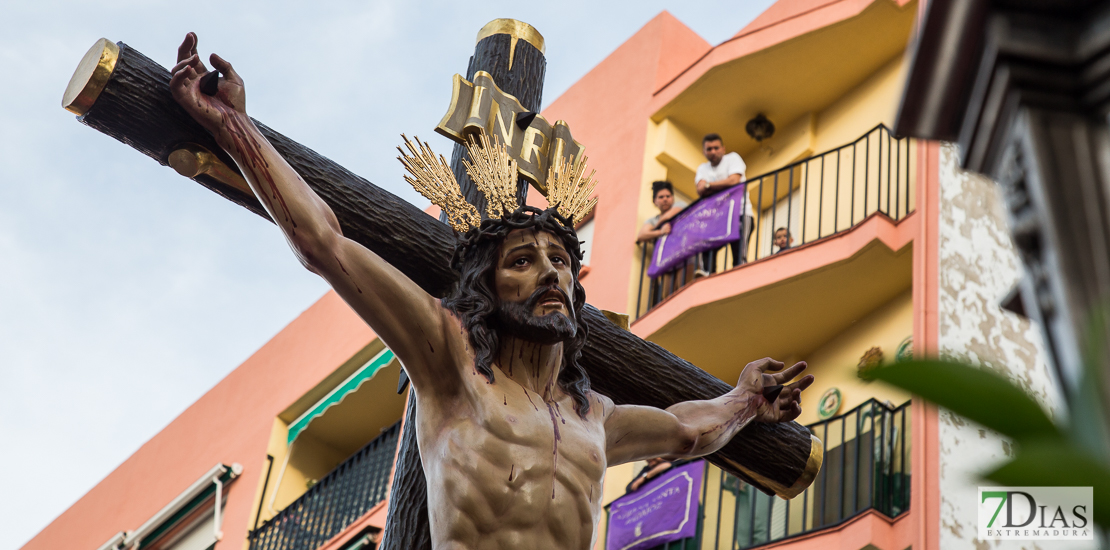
(474, 298)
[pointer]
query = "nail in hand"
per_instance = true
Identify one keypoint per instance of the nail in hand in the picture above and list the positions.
(771, 393)
(210, 83)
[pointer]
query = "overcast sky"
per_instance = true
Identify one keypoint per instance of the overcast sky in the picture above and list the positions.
(126, 291)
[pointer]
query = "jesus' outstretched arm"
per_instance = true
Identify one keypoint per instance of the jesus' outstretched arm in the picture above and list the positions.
(698, 428)
(408, 319)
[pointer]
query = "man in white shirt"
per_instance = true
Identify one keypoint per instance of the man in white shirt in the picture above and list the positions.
(721, 172)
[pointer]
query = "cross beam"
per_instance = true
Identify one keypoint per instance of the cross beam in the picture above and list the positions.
(122, 93)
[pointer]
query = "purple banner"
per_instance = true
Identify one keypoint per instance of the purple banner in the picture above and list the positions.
(707, 224)
(665, 509)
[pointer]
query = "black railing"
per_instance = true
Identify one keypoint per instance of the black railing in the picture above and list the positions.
(813, 198)
(341, 497)
(865, 466)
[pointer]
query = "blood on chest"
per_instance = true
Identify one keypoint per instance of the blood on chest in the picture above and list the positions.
(545, 432)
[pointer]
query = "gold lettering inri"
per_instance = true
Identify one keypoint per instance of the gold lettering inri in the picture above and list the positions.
(481, 106)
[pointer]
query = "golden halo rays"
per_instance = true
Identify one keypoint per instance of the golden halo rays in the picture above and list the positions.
(494, 172)
(430, 175)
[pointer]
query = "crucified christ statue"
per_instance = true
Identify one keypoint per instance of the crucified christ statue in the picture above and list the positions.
(513, 442)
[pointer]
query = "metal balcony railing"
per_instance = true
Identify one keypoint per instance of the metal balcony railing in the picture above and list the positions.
(866, 467)
(813, 199)
(341, 497)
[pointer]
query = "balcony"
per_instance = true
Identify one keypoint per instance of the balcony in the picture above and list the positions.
(340, 498)
(815, 198)
(866, 471)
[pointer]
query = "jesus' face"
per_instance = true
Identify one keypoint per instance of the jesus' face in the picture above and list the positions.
(534, 283)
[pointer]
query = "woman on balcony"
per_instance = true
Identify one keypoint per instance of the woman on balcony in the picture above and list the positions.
(662, 195)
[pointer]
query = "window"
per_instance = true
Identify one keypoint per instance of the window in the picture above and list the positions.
(189, 522)
(586, 235)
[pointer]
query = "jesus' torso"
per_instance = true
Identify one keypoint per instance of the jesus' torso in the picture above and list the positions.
(509, 467)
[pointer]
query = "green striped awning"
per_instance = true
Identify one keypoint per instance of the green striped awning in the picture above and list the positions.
(336, 395)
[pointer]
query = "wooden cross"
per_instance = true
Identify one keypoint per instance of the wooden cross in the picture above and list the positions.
(120, 92)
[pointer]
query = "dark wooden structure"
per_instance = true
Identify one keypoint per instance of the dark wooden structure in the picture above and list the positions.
(132, 103)
(1023, 88)
(518, 67)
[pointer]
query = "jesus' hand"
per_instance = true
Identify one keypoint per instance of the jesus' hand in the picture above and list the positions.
(230, 97)
(757, 375)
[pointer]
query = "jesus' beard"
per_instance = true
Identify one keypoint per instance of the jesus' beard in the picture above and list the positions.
(518, 320)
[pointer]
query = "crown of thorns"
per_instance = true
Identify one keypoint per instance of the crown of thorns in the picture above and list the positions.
(494, 172)
(525, 217)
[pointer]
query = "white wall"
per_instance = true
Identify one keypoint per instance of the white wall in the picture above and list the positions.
(978, 266)
(586, 235)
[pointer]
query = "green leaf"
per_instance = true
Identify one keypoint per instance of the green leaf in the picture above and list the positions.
(977, 394)
(1058, 464)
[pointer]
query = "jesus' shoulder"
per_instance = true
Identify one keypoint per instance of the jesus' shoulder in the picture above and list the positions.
(427, 338)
